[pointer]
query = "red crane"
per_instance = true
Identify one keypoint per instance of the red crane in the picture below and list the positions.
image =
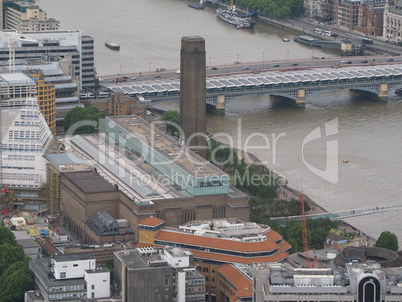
(304, 231)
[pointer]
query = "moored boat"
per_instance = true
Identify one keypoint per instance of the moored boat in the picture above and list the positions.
(230, 16)
(112, 45)
(197, 5)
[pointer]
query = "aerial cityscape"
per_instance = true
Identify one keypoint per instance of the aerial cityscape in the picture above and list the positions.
(213, 150)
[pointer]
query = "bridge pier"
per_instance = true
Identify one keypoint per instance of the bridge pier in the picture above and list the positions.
(383, 93)
(220, 104)
(301, 98)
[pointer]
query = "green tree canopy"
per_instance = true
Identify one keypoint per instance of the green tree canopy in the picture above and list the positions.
(15, 280)
(173, 117)
(273, 8)
(6, 236)
(388, 240)
(9, 254)
(85, 120)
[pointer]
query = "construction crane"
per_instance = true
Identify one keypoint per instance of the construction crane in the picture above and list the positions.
(315, 261)
(12, 37)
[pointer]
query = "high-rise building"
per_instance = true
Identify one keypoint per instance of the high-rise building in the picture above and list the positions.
(193, 93)
(25, 139)
(46, 100)
(64, 44)
(57, 91)
(25, 16)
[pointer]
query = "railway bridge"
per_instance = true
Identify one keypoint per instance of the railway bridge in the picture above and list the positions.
(294, 86)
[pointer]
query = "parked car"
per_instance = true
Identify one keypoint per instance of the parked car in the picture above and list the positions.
(124, 78)
(363, 61)
(134, 78)
(157, 76)
(295, 64)
(334, 35)
(276, 65)
(246, 68)
(390, 60)
(214, 68)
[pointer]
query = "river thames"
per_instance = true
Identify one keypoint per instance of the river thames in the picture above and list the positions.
(366, 133)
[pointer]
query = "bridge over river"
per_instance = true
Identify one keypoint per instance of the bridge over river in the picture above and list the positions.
(293, 84)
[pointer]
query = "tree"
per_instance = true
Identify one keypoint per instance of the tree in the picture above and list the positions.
(173, 119)
(15, 281)
(6, 236)
(110, 267)
(87, 118)
(388, 240)
(96, 80)
(9, 254)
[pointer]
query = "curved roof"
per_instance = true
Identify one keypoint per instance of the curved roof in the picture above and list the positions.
(217, 243)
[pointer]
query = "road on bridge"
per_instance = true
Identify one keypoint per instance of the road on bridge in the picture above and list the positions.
(256, 67)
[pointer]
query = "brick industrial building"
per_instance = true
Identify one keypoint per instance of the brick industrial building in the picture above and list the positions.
(141, 172)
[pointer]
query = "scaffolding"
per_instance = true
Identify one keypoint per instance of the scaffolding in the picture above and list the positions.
(53, 191)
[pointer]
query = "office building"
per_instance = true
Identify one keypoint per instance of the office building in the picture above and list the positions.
(70, 277)
(57, 91)
(193, 93)
(70, 45)
(142, 172)
(217, 242)
(25, 16)
(356, 282)
(149, 274)
(347, 13)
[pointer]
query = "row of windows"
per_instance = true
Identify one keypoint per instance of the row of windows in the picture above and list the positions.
(67, 288)
(18, 168)
(23, 177)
